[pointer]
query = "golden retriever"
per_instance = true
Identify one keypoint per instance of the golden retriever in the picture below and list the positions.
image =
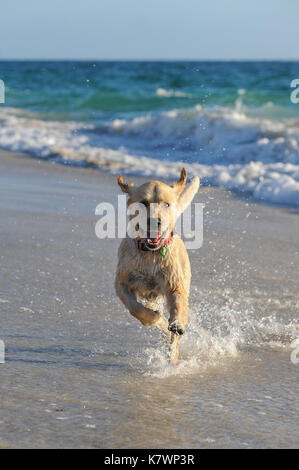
(155, 263)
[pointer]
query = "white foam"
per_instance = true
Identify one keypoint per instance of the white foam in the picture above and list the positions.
(172, 93)
(256, 155)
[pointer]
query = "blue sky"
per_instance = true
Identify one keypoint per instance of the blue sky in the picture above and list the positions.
(149, 29)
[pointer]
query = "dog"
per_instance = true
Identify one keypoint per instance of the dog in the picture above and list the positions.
(155, 263)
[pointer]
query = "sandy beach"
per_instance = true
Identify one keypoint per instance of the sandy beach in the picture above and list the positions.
(80, 372)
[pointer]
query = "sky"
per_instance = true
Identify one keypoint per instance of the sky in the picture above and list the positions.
(149, 29)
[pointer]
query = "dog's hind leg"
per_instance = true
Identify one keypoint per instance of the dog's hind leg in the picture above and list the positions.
(147, 316)
(174, 349)
(178, 316)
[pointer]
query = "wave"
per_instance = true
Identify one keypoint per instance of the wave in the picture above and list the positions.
(216, 135)
(172, 93)
(224, 147)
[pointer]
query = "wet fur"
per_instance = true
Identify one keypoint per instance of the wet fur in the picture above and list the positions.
(147, 275)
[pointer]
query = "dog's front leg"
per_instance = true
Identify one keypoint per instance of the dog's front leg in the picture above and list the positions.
(178, 312)
(147, 316)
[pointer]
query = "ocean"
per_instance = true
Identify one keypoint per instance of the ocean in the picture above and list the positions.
(231, 123)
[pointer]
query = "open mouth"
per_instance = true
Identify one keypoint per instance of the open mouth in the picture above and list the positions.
(153, 243)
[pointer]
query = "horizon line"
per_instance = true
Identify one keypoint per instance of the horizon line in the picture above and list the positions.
(142, 60)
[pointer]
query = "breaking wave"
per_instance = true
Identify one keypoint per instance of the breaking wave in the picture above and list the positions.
(225, 147)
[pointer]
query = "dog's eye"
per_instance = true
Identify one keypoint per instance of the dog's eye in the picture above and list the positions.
(165, 204)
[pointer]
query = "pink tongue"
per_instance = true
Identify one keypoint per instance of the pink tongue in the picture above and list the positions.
(156, 239)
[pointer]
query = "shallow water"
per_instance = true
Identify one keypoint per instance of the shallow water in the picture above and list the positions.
(80, 372)
(111, 386)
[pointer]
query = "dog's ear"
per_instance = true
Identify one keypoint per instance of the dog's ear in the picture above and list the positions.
(125, 187)
(187, 196)
(179, 185)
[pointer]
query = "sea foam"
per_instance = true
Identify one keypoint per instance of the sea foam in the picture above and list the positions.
(225, 147)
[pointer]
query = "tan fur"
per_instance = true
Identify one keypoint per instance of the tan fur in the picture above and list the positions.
(146, 274)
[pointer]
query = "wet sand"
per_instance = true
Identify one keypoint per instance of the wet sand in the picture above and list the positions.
(80, 372)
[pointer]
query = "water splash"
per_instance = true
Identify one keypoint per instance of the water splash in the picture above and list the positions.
(216, 335)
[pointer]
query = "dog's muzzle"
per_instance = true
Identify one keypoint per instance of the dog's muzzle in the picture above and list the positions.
(153, 244)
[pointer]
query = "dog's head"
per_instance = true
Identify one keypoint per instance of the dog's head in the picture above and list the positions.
(158, 206)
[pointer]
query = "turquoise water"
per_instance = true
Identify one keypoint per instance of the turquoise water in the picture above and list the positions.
(231, 123)
(99, 91)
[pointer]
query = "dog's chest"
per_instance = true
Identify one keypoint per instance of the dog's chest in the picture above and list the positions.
(148, 281)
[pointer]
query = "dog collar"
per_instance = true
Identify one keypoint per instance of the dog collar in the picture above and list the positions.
(163, 249)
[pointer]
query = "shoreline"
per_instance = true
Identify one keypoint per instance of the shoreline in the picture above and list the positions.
(244, 196)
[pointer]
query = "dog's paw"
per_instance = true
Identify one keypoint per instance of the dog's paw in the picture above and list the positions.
(176, 327)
